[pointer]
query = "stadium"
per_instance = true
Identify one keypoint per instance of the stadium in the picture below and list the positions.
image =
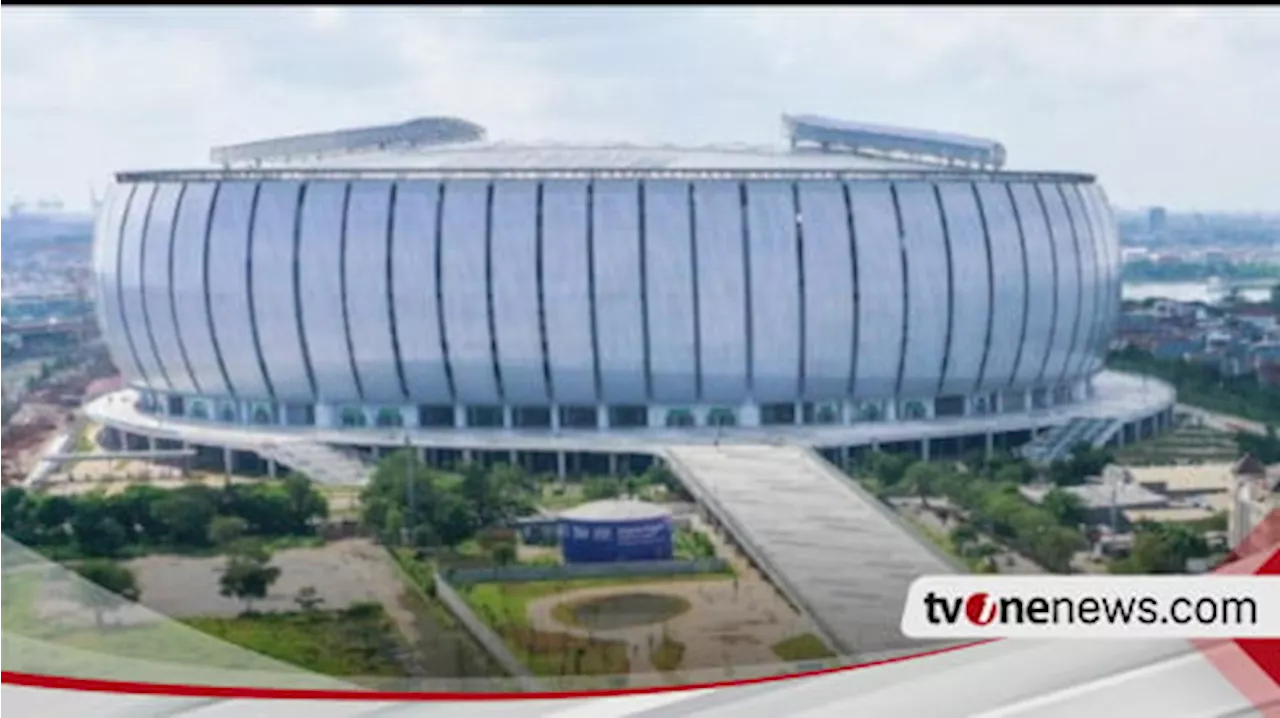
(858, 286)
(748, 316)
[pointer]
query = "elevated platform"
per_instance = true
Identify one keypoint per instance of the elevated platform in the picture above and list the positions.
(1125, 398)
(158, 455)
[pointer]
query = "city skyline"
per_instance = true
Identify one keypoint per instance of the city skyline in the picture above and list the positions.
(1107, 92)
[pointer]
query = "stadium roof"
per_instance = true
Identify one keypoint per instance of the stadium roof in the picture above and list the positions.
(499, 160)
(920, 145)
(424, 131)
(444, 147)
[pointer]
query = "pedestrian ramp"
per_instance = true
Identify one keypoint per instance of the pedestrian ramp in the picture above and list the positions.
(836, 552)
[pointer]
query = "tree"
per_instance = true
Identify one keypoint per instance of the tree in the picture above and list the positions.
(923, 479)
(659, 473)
(53, 513)
(1014, 473)
(602, 487)
(1264, 448)
(963, 535)
(305, 503)
(455, 520)
(1085, 461)
(185, 515)
(1064, 506)
(18, 514)
(1054, 546)
(504, 554)
(889, 468)
(104, 586)
(132, 509)
(308, 599)
(96, 532)
(1163, 548)
(226, 530)
(247, 578)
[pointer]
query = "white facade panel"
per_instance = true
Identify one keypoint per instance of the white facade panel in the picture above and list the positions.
(672, 306)
(156, 304)
(129, 280)
(368, 275)
(126, 271)
(1009, 284)
(1091, 309)
(971, 296)
(515, 293)
(1101, 296)
(191, 310)
(774, 250)
(880, 292)
(1064, 244)
(414, 273)
(463, 257)
(1041, 281)
(1113, 247)
(828, 291)
(272, 276)
(928, 307)
(320, 288)
(721, 291)
(229, 289)
(618, 293)
(566, 291)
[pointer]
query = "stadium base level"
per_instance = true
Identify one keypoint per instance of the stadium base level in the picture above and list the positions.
(1141, 407)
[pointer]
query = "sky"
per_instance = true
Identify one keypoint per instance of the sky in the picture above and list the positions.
(1172, 107)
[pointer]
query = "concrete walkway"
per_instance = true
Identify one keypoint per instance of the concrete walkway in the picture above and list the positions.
(845, 558)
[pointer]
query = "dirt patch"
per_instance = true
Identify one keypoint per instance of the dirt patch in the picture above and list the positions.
(343, 573)
(624, 610)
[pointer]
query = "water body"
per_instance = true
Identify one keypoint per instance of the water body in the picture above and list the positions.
(1188, 292)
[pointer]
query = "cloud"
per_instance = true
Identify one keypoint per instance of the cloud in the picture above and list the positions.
(1170, 107)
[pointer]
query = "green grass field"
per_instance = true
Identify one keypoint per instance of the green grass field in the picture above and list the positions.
(805, 647)
(668, 655)
(358, 641)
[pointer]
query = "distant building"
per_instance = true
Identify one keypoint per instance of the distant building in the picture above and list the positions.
(1263, 318)
(1157, 218)
(1105, 499)
(1255, 494)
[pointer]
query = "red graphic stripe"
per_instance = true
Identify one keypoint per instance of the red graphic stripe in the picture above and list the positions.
(1252, 665)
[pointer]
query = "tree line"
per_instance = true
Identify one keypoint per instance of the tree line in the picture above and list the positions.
(987, 492)
(1205, 385)
(144, 518)
(1049, 533)
(409, 503)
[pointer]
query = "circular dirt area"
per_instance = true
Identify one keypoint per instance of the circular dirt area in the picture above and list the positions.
(625, 610)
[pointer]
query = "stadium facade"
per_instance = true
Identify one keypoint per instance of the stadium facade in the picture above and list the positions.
(421, 279)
